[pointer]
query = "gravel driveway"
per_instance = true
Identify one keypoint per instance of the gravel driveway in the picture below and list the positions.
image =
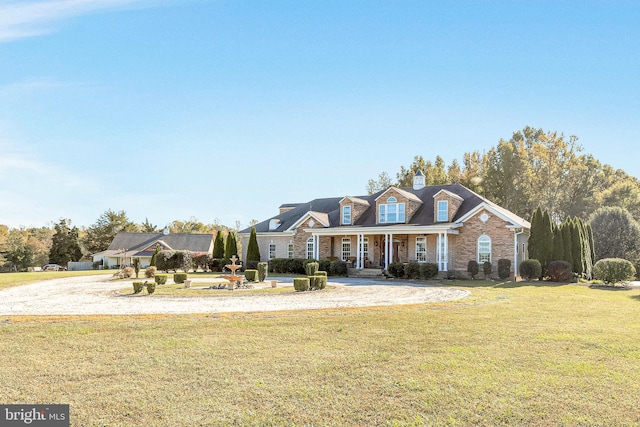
(96, 295)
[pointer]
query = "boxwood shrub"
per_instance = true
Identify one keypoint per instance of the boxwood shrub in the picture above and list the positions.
(179, 277)
(338, 268)
(428, 270)
(614, 270)
(137, 287)
(301, 284)
(560, 271)
(396, 269)
(161, 279)
(317, 282)
(412, 270)
(251, 275)
(473, 268)
(504, 268)
(263, 269)
(530, 269)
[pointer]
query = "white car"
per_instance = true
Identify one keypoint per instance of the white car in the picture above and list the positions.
(53, 267)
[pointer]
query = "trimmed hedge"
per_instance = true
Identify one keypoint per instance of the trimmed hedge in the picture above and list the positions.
(301, 284)
(297, 266)
(504, 268)
(263, 269)
(428, 270)
(137, 287)
(321, 273)
(486, 269)
(530, 269)
(160, 279)
(179, 277)
(396, 269)
(338, 268)
(311, 268)
(473, 269)
(614, 270)
(151, 287)
(560, 271)
(174, 260)
(251, 275)
(412, 270)
(317, 282)
(150, 272)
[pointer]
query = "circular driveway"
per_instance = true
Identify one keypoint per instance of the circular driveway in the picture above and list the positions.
(97, 295)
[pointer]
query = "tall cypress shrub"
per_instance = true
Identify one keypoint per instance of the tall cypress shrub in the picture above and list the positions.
(576, 248)
(546, 241)
(558, 244)
(253, 251)
(533, 245)
(566, 238)
(218, 246)
(587, 261)
(231, 248)
(152, 263)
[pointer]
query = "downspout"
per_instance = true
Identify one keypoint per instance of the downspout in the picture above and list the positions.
(515, 252)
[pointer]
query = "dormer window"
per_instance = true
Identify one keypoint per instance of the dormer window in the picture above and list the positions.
(443, 211)
(391, 212)
(346, 215)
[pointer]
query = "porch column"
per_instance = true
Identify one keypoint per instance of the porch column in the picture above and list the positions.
(439, 252)
(386, 251)
(446, 251)
(390, 249)
(358, 251)
(316, 246)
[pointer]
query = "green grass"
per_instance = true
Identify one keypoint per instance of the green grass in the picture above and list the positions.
(8, 280)
(178, 289)
(511, 354)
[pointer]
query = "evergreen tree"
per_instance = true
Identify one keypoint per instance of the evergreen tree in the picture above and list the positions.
(152, 263)
(231, 247)
(546, 241)
(591, 244)
(253, 251)
(218, 246)
(65, 244)
(587, 261)
(576, 248)
(558, 244)
(533, 245)
(566, 238)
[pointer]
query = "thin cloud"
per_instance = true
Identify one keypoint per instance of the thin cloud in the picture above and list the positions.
(27, 19)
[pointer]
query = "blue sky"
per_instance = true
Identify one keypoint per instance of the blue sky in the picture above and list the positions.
(223, 110)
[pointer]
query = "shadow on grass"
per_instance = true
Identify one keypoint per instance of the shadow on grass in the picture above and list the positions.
(535, 283)
(611, 287)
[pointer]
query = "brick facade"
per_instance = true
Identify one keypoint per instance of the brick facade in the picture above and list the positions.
(454, 204)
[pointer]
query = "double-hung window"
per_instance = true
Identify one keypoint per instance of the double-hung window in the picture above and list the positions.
(346, 248)
(272, 250)
(310, 248)
(346, 215)
(391, 212)
(290, 250)
(421, 249)
(443, 211)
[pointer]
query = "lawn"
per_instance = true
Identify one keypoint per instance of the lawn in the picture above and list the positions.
(16, 279)
(512, 354)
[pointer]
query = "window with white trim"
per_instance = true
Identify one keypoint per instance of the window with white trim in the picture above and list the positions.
(391, 212)
(310, 248)
(365, 246)
(290, 250)
(272, 250)
(346, 248)
(443, 211)
(421, 249)
(346, 215)
(484, 249)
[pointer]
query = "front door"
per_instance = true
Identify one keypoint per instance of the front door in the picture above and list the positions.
(396, 252)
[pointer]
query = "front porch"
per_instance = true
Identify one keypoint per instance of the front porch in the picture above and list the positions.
(371, 250)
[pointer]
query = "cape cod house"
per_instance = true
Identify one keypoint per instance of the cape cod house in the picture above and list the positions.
(126, 246)
(444, 224)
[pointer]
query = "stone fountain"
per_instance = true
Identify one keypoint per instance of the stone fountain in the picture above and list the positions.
(233, 278)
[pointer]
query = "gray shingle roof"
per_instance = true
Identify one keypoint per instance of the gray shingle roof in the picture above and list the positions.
(140, 241)
(422, 217)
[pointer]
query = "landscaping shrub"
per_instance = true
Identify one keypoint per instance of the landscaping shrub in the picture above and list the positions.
(127, 272)
(560, 271)
(137, 287)
(161, 279)
(614, 270)
(136, 266)
(251, 265)
(317, 282)
(324, 265)
(202, 261)
(301, 284)
(396, 269)
(473, 269)
(412, 270)
(321, 273)
(151, 286)
(530, 269)
(504, 268)
(150, 272)
(295, 265)
(174, 260)
(251, 275)
(179, 277)
(428, 270)
(311, 268)
(217, 264)
(263, 269)
(486, 269)
(338, 268)
(277, 265)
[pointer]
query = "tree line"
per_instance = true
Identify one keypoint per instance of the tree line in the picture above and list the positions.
(21, 248)
(533, 168)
